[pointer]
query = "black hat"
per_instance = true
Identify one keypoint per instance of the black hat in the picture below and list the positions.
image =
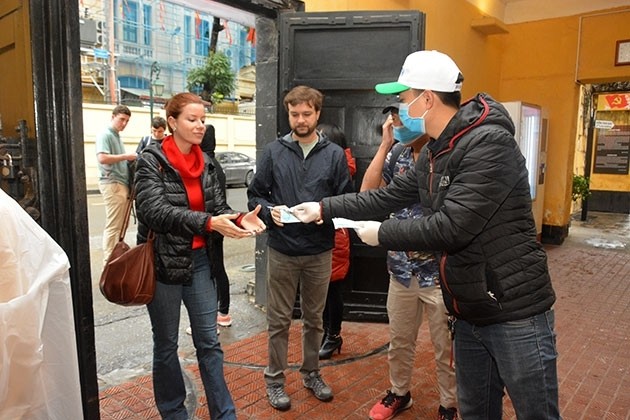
(393, 107)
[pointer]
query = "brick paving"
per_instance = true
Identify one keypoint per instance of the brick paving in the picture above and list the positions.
(592, 324)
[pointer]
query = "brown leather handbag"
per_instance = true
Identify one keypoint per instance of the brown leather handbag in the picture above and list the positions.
(128, 277)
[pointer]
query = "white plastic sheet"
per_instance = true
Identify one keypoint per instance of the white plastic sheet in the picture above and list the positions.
(39, 374)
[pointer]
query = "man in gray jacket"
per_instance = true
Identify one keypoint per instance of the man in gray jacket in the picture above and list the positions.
(472, 183)
(302, 165)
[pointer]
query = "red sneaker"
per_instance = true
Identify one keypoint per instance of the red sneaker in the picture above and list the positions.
(391, 405)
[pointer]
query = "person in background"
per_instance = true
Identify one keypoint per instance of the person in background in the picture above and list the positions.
(473, 185)
(180, 199)
(158, 131)
(114, 177)
(208, 145)
(298, 166)
(333, 311)
(413, 285)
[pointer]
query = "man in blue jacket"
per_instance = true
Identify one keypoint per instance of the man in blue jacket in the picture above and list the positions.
(472, 183)
(301, 166)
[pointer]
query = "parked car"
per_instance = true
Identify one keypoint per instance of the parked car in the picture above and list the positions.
(238, 167)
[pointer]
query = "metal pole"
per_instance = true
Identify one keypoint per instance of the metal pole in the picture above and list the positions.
(151, 91)
(155, 70)
(61, 189)
(111, 47)
(588, 160)
(151, 97)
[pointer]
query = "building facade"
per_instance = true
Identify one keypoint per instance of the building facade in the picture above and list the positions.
(128, 44)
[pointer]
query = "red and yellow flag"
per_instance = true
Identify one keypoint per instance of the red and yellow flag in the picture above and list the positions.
(615, 101)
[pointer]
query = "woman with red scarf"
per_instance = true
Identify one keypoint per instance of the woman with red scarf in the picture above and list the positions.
(179, 198)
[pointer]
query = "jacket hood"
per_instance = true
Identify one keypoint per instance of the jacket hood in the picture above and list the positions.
(478, 111)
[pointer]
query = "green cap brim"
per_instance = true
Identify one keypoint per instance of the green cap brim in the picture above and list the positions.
(390, 88)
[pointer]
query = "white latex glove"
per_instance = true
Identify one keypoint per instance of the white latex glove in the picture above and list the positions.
(368, 232)
(308, 212)
(276, 214)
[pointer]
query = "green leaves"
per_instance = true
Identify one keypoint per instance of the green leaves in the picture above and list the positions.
(214, 80)
(581, 188)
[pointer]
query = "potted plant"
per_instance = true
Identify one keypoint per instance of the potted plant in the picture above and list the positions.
(581, 188)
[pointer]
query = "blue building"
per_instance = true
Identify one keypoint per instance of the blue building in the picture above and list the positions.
(170, 33)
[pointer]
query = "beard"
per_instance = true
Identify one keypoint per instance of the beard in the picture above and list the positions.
(304, 131)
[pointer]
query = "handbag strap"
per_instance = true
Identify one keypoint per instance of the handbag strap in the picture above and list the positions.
(123, 230)
(132, 196)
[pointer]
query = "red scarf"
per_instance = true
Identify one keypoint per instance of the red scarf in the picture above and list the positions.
(190, 167)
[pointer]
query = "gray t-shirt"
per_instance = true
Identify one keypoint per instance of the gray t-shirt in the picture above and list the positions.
(306, 148)
(108, 141)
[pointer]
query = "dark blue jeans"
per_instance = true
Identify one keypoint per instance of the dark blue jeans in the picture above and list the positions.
(200, 300)
(519, 356)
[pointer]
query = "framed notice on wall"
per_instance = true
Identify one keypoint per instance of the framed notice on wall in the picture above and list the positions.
(622, 53)
(612, 155)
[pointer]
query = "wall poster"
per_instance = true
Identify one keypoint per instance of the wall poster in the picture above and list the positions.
(612, 154)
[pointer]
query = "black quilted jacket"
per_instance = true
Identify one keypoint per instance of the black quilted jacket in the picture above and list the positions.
(162, 205)
(472, 182)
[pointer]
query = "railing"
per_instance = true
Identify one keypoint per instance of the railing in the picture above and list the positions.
(131, 49)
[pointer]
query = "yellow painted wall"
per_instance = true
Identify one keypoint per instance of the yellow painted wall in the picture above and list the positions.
(599, 33)
(596, 64)
(539, 67)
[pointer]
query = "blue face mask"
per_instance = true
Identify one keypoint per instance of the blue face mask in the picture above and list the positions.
(414, 125)
(404, 135)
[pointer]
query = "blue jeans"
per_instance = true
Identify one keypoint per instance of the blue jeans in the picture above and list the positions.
(519, 356)
(200, 300)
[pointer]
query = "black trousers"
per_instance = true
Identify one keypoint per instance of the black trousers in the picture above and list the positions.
(333, 311)
(219, 274)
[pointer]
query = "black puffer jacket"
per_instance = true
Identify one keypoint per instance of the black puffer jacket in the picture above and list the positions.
(162, 206)
(472, 181)
(283, 176)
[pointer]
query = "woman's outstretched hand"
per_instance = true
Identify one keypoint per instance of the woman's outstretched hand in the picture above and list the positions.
(224, 224)
(253, 223)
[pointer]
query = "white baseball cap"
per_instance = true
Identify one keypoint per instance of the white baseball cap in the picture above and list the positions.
(430, 70)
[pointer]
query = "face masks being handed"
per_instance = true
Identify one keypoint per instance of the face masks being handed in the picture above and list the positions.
(413, 127)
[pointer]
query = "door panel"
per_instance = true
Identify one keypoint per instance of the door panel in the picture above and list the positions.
(344, 55)
(347, 50)
(15, 67)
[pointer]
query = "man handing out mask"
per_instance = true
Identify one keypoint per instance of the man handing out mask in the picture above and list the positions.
(471, 181)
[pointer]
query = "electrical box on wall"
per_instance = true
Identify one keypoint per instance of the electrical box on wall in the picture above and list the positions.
(92, 32)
